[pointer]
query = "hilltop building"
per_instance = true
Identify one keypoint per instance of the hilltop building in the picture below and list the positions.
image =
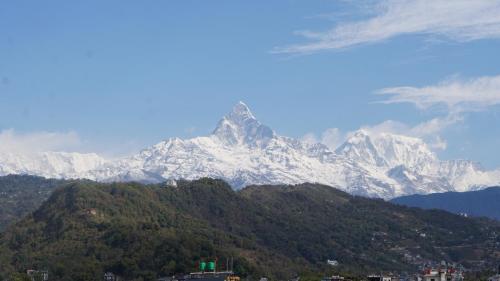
(171, 182)
(38, 275)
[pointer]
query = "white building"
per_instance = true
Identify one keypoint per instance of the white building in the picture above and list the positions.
(494, 278)
(332, 262)
(334, 278)
(379, 278)
(35, 275)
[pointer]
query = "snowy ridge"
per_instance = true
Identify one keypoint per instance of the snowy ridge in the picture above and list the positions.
(243, 151)
(50, 164)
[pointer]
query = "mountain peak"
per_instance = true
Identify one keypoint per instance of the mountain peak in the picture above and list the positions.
(240, 111)
(386, 149)
(359, 136)
(360, 146)
(241, 127)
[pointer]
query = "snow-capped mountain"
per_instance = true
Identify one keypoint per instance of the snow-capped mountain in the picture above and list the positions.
(243, 151)
(50, 164)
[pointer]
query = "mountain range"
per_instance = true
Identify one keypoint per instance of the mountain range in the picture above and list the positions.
(242, 151)
(477, 203)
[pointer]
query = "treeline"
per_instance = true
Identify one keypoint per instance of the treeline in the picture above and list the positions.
(21, 195)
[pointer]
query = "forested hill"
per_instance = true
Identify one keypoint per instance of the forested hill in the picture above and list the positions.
(143, 231)
(484, 202)
(21, 195)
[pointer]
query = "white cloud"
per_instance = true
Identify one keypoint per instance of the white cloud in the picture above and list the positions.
(458, 20)
(454, 94)
(309, 138)
(331, 137)
(429, 131)
(434, 126)
(438, 143)
(12, 141)
(425, 129)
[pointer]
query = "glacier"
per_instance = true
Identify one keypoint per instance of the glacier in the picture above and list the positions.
(243, 151)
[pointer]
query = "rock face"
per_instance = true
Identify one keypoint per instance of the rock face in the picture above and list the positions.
(242, 151)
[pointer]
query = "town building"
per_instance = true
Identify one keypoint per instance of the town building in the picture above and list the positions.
(166, 278)
(441, 273)
(495, 277)
(334, 278)
(109, 276)
(332, 262)
(379, 278)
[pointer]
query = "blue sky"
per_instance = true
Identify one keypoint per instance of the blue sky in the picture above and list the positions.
(116, 76)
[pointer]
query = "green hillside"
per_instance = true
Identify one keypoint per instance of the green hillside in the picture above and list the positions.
(21, 195)
(141, 232)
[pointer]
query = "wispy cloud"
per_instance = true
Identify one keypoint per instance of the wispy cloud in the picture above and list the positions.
(457, 20)
(15, 142)
(430, 131)
(453, 96)
(456, 95)
(429, 128)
